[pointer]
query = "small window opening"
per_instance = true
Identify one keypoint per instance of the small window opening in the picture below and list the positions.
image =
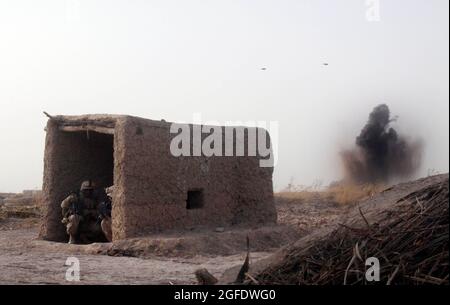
(194, 199)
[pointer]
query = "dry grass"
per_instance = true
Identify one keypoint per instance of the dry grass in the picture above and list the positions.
(301, 196)
(352, 193)
(410, 239)
(19, 206)
(343, 194)
(20, 212)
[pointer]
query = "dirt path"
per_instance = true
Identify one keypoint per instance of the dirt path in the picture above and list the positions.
(23, 260)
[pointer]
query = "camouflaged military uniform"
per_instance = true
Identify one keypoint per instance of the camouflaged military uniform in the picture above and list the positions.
(70, 218)
(103, 197)
(80, 213)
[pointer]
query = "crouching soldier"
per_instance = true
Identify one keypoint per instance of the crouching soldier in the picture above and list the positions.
(80, 211)
(71, 211)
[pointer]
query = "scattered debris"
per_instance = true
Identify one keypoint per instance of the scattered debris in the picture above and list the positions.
(204, 277)
(245, 267)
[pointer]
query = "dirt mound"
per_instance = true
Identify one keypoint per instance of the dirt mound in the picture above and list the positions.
(405, 227)
(229, 242)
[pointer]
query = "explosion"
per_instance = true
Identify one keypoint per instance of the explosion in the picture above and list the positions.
(381, 154)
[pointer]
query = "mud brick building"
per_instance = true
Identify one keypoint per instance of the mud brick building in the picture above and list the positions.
(154, 191)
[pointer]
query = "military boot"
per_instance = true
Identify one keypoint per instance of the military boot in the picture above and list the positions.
(71, 239)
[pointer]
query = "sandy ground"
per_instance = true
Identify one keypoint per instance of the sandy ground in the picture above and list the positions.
(26, 260)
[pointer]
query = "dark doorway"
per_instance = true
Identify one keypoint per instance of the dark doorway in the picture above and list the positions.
(81, 156)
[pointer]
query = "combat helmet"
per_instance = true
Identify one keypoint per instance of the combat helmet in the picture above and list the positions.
(87, 185)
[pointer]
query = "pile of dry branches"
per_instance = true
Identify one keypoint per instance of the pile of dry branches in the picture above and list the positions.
(411, 243)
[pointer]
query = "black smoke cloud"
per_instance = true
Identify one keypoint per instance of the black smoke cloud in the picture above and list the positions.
(381, 154)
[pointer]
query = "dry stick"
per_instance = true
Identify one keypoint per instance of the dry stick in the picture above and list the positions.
(348, 267)
(420, 204)
(48, 115)
(428, 280)
(365, 220)
(350, 228)
(252, 279)
(435, 264)
(357, 253)
(245, 267)
(418, 230)
(391, 278)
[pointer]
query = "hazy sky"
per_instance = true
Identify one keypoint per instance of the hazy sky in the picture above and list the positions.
(169, 59)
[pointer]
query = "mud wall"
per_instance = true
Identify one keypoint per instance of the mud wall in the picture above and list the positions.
(155, 184)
